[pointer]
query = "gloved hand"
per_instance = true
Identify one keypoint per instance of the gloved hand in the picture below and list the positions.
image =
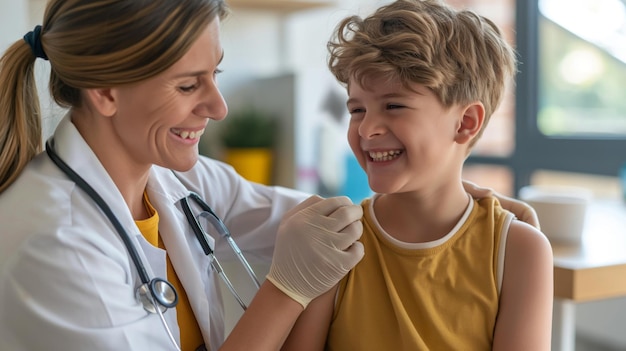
(316, 246)
(519, 208)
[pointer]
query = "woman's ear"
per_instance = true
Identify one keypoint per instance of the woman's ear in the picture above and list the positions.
(471, 122)
(102, 100)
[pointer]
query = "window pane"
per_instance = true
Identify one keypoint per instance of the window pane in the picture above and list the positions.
(582, 56)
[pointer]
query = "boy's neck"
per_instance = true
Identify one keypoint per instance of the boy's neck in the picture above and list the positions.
(423, 217)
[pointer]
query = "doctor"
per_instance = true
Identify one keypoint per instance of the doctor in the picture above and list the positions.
(96, 240)
(140, 81)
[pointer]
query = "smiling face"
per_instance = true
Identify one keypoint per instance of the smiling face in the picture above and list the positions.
(160, 120)
(404, 139)
(172, 109)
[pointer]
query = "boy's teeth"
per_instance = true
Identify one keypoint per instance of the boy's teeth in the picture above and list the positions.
(385, 155)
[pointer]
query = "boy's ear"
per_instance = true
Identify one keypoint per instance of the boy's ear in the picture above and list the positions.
(102, 100)
(471, 122)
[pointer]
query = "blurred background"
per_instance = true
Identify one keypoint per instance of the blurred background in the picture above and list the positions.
(563, 120)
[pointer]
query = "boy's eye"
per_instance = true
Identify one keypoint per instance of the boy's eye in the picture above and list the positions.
(394, 106)
(356, 110)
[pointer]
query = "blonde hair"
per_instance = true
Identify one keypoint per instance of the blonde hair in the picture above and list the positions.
(457, 54)
(91, 44)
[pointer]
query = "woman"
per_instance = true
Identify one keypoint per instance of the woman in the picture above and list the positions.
(139, 79)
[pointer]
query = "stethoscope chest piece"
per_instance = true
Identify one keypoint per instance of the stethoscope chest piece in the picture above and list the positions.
(160, 290)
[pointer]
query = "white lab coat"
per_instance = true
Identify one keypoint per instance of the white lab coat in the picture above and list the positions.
(66, 279)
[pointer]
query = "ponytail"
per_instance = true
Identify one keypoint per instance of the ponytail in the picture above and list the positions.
(20, 116)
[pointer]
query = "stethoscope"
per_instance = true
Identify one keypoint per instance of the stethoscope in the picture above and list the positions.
(157, 294)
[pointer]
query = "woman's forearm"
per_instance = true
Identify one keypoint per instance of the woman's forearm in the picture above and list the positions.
(266, 323)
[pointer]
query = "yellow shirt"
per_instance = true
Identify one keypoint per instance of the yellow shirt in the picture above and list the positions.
(441, 295)
(190, 334)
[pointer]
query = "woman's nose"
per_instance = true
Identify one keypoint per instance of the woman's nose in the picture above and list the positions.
(212, 105)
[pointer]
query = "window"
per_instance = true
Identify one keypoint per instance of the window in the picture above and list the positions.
(569, 117)
(582, 71)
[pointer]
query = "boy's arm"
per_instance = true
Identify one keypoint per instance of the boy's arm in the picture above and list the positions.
(525, 315)
(311, 329)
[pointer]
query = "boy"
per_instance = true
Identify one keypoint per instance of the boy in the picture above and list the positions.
(442, 271)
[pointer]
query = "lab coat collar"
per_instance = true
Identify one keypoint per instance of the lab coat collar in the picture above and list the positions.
(74, 150)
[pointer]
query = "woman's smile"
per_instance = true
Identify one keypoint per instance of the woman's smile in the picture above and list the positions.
(187, 134)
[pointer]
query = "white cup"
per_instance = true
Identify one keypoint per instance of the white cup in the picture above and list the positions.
(561, 210)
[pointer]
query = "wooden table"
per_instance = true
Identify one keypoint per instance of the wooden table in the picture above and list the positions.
(593, 270)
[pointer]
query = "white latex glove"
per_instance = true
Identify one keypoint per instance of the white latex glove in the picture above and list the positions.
(520, 209)
(316, 246)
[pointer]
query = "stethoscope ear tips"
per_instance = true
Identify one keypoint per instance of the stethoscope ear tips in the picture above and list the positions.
(157, 292)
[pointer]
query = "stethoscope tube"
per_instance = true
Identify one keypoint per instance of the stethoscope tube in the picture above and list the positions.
(84, 186)
(153, 293)
(208, 213)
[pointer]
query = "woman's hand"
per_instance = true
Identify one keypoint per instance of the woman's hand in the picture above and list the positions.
(520, 209)
(316, 246)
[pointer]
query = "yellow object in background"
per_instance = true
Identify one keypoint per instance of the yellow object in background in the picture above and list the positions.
(254, 164)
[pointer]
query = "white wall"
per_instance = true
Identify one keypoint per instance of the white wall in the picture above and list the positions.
(13, 22)
(17, 17)
(264, 43)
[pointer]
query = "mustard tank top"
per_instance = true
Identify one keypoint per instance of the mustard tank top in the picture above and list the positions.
(190, 334)
(440, 295)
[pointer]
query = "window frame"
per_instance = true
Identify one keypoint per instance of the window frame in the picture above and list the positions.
(533, 150)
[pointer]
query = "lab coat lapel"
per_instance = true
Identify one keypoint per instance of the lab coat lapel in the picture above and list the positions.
(74, 151)
(188, 259)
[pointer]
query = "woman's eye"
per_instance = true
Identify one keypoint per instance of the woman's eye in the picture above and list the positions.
(188, 88)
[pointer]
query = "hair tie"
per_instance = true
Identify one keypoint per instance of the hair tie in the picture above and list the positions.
(33, 38)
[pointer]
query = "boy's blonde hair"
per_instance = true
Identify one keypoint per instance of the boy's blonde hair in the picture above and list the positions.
(459, 55)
